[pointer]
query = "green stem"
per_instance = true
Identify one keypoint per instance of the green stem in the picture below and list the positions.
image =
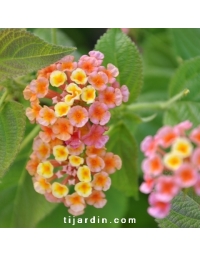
(159, 105)
(3, 97)
(53, 35)
(30, 136)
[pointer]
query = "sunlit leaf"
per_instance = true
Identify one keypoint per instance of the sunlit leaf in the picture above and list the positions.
(22, 52)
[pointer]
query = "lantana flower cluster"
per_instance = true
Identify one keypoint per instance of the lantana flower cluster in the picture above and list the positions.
(172, 164)
(70, 163)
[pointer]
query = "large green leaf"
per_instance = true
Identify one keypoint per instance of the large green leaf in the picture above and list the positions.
(123, 143)
(122, 52)
(12, 126)
(181, 111)
(22, 52)
(186, 42)
(185, 212)
(187, 76)
(20, 205)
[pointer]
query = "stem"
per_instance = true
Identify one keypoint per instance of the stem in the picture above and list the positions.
(159, 105)
(53, 35)
(30, 136)
(3, 97)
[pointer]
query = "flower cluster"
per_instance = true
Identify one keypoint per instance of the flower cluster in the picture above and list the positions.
(69, 154)
(172, 164)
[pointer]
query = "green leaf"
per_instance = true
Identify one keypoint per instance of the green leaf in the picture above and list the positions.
(21, 206)
(122, 143)
(185, 212)
(187, 76)
(22, 52)
(116, 207)
(186, 42)
(181, 111)
(122, 52)
(12, 126)
(159, 65)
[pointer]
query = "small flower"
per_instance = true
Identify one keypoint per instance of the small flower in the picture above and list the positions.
(95, 163)
(62, 129)
(172, 161)
(125, 93)
(39, 87)
(78, 116)
(67, 64)
(79, 76)
(28, 94)
(41, 149)
(41, 185)
(158, 209)
(57, 78)
(166, 136)
(75, 202)
(61, 109)
(92, 151)
(149, 145)
(101, 181)
(76, 160)
(46, 72)
(84, 173)
(147, 186)
(111, 97)
(153, 165)
(88, 94)
(83, 189)
(59, 190)
(98, 80)
(95, 137)
(32, 165)
(60, 153)
(74, 93)
(186, 175)
(98, 56)
(88, 64)
(111, 72)
(45, 169)
(98, 113)
(112, 163)
(166, 188)
(46, 116)
(97, 199)
(33, 112)
(47, 134)
(182, 147)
